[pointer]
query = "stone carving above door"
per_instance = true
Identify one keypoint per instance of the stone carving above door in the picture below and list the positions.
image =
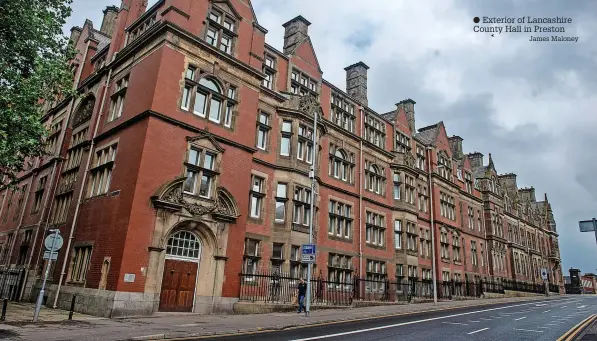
(171, 197)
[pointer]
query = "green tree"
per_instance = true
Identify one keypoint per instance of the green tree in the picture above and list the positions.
(34, 68)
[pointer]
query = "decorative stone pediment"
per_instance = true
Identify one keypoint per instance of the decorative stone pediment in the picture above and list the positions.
(206, 140)
(84, 111)
(171, 197)
(307, 104)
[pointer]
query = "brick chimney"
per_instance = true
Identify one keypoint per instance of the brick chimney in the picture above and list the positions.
(295, 32)
(409, 108)
(456, 145)
(75, 33)
(476, 159)
(109, 21)
(356, 82)
(528, 193)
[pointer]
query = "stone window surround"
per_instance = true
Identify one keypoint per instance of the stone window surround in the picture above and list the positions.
(298, 83)
(221, 28)
(266, 188)
(270, 69)
(75, 246)
(350, 165)
(113, 167)
(225, 86)
(203, 149)
(383, 228)
(379, 177)
(349, 116)
(266, 128)
(347, 220)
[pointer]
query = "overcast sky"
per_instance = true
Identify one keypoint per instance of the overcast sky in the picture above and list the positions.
(532, 105)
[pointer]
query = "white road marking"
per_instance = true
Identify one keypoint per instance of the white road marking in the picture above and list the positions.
(582, 306)
(544, 327)
(547, 311)
(476, 331)
(484, 319)
(188, 325)
(529, 330)
(540, 305)
(518, 319)
(411, 322)
(474, 321)
(462, 324)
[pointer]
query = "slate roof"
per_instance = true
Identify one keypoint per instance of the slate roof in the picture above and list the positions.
(428, 134)
(103, 39)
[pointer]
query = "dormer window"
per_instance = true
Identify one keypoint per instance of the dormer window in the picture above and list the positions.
(220, 30)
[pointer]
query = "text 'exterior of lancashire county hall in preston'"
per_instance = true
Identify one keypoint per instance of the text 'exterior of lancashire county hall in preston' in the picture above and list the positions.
(179, 178)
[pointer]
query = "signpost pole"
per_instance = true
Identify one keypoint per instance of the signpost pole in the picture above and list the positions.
(595, 228)
(43, 285)
(313, 181)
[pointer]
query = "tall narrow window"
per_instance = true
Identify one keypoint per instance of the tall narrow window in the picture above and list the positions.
(263, 128)
(396, 190)
(39, 194)
(302, 208)
(101, 173)
(374, 179)
(257, 194)
(342, 113)
(281, 198)
(305, 144)
(397, 234)
(286, 136)
(251, 258)
(375, 131)
(117, 103)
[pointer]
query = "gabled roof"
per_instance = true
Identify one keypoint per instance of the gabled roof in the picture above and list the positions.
(298, 46)
(428, 135)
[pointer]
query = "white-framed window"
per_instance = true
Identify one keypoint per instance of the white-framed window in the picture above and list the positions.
(375, 229)
(374, 178)
(251, 257)
(375, 131)
(474, 260)
(301, 206)
(445, 253)
(402, 143)
(268, 81)
(342, 113)
(376, 276)
(397, 234)
(456, 247)
(423, 199)
(420, 157)
(206, 98)
(220, 30)
(286, 137)
(117, 99)
(200, 172)
(409, 189)
(396, 183)
(183, 244)
(340, 219)
(101, 171)
(447, 206)
(257, 194)
(304, 150)
(341, 164)
(411, 236)
(297, 268)
(281, 198)
(263, 128)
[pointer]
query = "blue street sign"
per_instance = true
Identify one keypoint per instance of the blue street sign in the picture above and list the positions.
(308, 253)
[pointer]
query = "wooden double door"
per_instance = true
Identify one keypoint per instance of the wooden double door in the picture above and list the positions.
(178, 286)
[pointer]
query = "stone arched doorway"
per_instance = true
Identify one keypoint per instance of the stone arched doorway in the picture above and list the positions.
(181, 267)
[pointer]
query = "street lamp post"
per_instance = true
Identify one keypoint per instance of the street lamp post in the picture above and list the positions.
(313, 183)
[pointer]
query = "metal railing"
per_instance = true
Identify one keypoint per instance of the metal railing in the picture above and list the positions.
(279, 287)
(524, 287)
(10, 283)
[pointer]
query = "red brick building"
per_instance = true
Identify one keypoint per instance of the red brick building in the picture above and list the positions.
(186, 161)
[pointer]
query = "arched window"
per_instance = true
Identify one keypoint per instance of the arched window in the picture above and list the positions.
(206, 98)
(374, 178)
(84, 111)
(341, 164)
(184, 244)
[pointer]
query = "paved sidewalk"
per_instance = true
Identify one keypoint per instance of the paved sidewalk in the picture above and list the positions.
(19, 312)
(165, 326)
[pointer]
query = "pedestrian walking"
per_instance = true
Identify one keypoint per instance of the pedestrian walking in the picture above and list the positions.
(302, 291)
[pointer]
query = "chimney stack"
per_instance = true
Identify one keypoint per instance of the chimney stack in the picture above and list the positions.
(75, 33)
(508, 180)
(528, 193)
(109, 21)
(295, 32)
(409, 108)
(356, 82)
(476, 159)
(456, 145)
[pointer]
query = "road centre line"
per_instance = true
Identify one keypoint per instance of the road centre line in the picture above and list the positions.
(476, 331)
(529, 330)
(462, 324)
(522, 318)
(547, 311)
(411, 322)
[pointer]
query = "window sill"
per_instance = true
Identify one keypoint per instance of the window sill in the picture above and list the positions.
(340, 239)
(373, 246)
(300, 228)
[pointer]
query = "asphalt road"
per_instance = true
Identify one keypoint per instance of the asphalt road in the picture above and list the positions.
(537, 321)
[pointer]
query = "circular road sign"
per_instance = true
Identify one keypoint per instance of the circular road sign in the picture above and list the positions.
(57, 244)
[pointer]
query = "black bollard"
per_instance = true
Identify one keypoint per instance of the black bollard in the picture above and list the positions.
(72, 308)
(4, 306)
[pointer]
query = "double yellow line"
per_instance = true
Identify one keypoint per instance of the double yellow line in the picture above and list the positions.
(576, 330)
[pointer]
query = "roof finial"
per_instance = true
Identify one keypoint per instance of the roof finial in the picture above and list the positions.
(490, 160)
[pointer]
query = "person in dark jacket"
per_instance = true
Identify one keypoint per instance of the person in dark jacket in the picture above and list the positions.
(302, 291)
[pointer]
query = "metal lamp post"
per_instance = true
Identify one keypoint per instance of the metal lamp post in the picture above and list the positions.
(313, 183)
